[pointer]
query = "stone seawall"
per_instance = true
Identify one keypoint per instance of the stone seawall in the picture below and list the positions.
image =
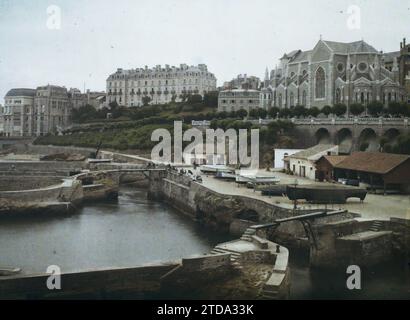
(50, 149)
(220, 212)
(137, 282)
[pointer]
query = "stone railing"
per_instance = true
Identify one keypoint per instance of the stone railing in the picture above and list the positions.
(334, 121)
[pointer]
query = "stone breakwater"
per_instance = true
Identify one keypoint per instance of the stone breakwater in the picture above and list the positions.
(333, 241)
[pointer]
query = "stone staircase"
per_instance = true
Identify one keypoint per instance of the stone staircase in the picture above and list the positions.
(247, 235)
(234, 256)
(268, 294)
(376, 226)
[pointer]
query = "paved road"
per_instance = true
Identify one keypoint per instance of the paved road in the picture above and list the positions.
(374, 206)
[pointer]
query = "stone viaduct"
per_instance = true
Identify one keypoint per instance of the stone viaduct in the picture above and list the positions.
(350, 134)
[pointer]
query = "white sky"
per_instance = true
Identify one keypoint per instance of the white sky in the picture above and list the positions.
(230, 36)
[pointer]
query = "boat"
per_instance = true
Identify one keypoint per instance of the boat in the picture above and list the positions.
(273, 190)
(225, 175)
(5, 272)
(215, 168)
(255, 179)
(324, 194)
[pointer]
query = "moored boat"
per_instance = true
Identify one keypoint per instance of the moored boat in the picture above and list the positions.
(4, 272)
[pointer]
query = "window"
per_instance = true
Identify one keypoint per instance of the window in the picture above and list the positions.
(304, 98)
(340, 67)
(320, 83)
(292, 100)
(280, 100)
(362, 67)
(338, 95)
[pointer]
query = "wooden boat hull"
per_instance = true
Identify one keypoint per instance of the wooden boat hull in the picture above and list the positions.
(325, 194)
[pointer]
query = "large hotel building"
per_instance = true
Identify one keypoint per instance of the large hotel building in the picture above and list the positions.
(136, 87)
(36, 112)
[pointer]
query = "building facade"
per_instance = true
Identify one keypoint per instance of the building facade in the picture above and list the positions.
(136, 87)
(330, 73)
(237, 99)
(303, 163)
(36, 112)
(243, 82)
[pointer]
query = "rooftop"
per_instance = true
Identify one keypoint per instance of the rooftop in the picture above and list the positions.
(350, 47)
(334, 160)
(307, 153)
(372, 162)
(20, 92)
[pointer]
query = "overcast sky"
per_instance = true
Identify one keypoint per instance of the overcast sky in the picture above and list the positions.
(230, 36)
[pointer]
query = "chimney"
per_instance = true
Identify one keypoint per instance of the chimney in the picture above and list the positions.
(404, 42)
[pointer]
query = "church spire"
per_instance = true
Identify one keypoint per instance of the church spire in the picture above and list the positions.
(266, 74)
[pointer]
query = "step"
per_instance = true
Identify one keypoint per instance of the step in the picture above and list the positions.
(250, 231)
(218, 251)
(228, 250)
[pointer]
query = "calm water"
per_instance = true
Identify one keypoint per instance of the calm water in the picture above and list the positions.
(136, 231)
(387, 281)
(130, 232)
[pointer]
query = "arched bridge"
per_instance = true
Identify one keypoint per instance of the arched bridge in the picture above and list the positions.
(352, 134)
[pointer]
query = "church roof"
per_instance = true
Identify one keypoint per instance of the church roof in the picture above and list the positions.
(291, 54)
(389, 56)
(351, 47)
(302, 56)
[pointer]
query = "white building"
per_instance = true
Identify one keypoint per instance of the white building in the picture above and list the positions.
(136, 87)
(302, 163)
(36, 112)
(204, 158)
(280, 155)
(237, 99)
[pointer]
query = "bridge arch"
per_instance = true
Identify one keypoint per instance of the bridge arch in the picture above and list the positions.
(391, 133)
(368, 140)
(344, 138)
(322, 135)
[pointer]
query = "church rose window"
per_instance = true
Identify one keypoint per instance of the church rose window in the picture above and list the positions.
(362, 67)
(320, 83)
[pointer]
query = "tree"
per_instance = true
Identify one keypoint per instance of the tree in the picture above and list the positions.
(339, 109)
(407, 113)
(242, 113)
(299, 111)
(356, 109)
(313, 111)
(375, 108)
(222, 115)
(396, 108)
(195, 98)
(113, 105)
(327, 110)
(254, 113)
(273, 112)
(211, 99)
(262, 113)
(146, 100)
(403, 144)
(285, 113)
